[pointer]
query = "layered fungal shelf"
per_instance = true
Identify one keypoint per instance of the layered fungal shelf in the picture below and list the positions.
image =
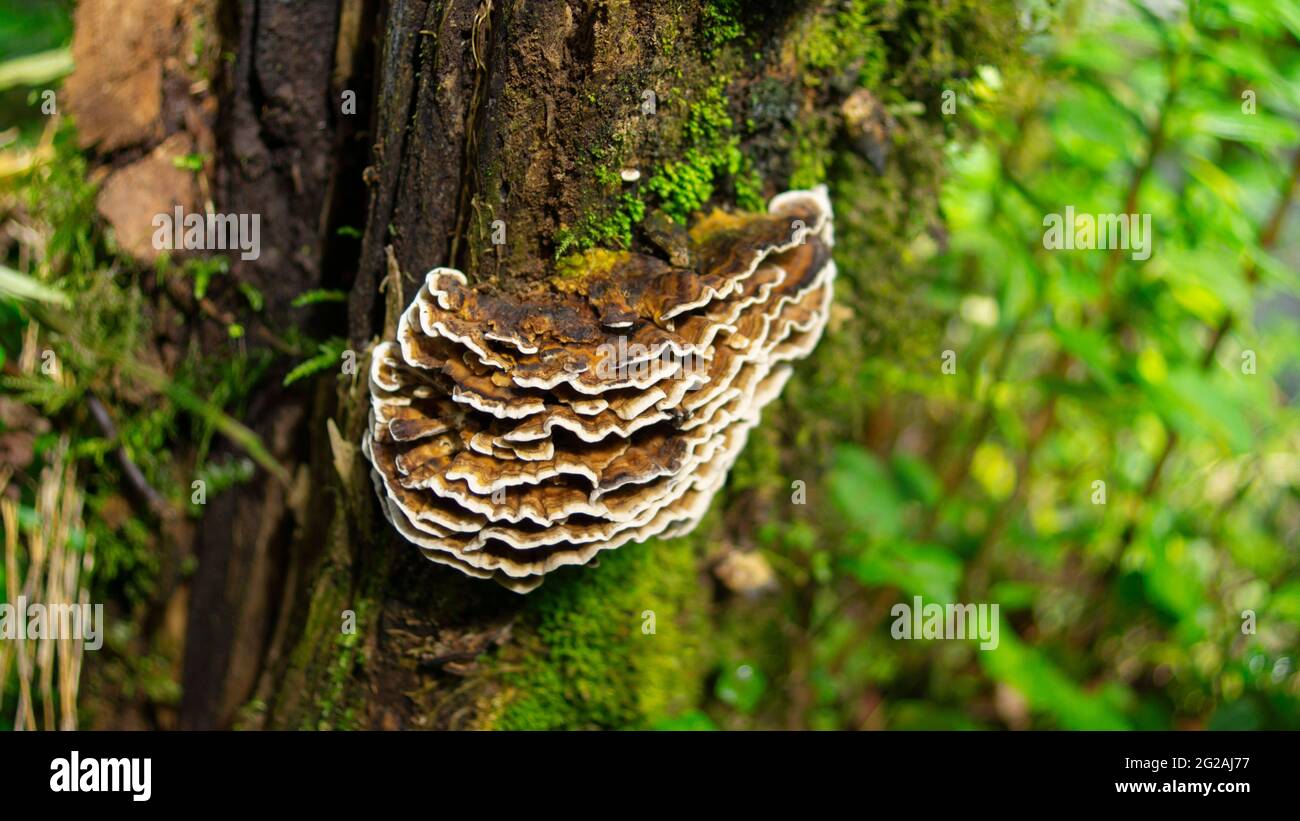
(513, 433)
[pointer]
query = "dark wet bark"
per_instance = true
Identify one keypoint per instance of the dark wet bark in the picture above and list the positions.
(279, 155)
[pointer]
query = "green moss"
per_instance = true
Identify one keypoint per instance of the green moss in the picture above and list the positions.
(59, 193)
(853, 42)
(332, 707)
(720, 22)
(613, 228)
(848, 38)
(685, 186)
(332, 663)
(812, 154)
(584, 659)
(668, 35)
(711, 152)
(759, 465)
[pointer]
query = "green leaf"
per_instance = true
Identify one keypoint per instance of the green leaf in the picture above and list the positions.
(916, 569)
(916, 478)
(1091, 348)
(203, 269)
(1242, 714)
(863, 491)
(255, 299)
(1288, 13)
(1206, 402)
(318, 295)
(328, 356)
(35, 69)
(1044, 687)
(1171, 581)
(1260, 128)
(14, 285)
(1285, 602)
(741, 686)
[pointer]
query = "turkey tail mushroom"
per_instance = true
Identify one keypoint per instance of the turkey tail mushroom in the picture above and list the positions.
(515, 433)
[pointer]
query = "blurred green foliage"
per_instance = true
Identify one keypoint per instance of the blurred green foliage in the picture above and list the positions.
(54, 240)
(1172, 380)
(34, 39)
(31, 26)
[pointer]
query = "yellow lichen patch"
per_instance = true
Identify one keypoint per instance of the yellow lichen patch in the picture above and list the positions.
(573, 271)
(717, 220)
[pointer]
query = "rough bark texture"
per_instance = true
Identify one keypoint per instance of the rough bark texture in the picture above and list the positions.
(470, 112)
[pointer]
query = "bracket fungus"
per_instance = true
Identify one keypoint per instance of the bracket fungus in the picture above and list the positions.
(516, 432)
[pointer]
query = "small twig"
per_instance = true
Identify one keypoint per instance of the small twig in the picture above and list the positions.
(130, 469)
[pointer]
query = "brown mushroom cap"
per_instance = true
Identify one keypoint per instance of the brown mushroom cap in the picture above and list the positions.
(515, 433)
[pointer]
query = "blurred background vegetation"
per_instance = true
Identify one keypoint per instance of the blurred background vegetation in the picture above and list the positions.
(1172, 380)
(1074, 367)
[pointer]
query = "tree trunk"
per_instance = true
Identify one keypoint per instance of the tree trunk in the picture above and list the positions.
(491, 136)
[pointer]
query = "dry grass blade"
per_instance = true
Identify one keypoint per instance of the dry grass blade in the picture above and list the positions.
(44, 567)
